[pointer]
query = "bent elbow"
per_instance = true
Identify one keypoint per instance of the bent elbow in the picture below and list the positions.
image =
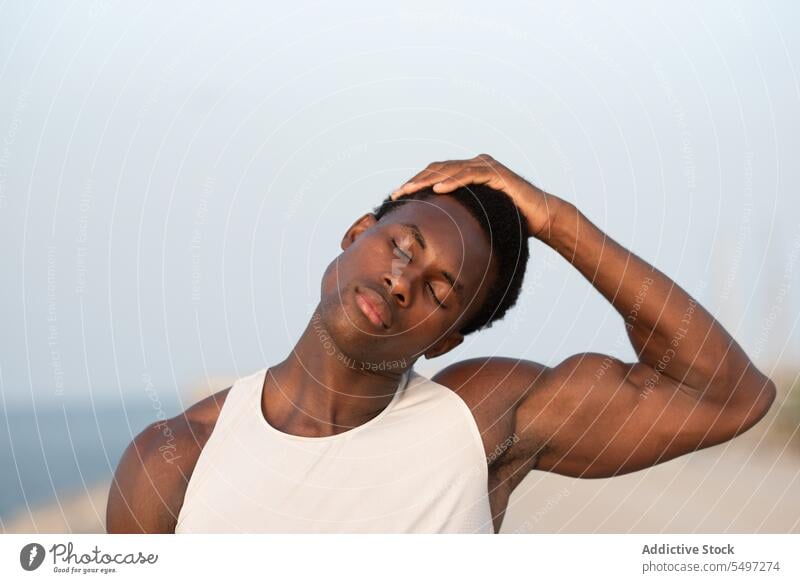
(767, 397)
(764, 393)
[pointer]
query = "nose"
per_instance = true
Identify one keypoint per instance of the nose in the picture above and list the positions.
(399, 288)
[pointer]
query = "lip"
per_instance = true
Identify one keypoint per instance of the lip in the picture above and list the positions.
(374, 306)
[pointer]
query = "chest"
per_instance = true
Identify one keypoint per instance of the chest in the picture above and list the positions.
(406, 474)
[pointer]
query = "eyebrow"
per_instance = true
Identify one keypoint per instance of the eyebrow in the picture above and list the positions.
(420, 239)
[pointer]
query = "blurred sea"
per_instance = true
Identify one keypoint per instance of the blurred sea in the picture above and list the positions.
(59, 450)
(57, 468)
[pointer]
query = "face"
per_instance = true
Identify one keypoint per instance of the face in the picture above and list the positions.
(404, 285)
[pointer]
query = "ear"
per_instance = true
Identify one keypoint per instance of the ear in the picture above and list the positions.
(445, 345)
(355, 230)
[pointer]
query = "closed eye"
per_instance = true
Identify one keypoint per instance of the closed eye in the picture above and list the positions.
(408, 258)
(435, 299)
(405, 255)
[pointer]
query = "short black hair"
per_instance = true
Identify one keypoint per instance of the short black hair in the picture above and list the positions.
(507, 232)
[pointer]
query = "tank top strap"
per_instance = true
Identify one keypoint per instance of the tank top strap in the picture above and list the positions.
(237, 406)
(244, 393)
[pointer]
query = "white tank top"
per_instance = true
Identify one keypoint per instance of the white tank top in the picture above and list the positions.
(418, 466)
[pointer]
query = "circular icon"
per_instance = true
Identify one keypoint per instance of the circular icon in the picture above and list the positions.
(31, 556)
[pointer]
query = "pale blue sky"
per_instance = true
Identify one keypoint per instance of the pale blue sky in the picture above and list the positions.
(173, 180)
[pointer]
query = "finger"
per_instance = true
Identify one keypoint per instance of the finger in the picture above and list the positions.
(463, 178)
(413, 186)
(428, 177)
(433, 172)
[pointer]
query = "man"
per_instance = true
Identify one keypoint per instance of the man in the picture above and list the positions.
(344, 436)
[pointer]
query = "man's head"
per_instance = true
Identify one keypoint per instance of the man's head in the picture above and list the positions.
(437, 267)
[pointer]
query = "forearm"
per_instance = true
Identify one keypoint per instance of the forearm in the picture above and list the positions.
(672, 334)
(669, 330)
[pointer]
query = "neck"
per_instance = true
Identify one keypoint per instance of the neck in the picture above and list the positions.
(319, 391)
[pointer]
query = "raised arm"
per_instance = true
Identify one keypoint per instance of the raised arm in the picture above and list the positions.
(593, 415)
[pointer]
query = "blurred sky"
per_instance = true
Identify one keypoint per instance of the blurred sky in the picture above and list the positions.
(174, 179)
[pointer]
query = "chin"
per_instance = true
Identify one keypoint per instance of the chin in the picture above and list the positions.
(340, 318)
(342, 321)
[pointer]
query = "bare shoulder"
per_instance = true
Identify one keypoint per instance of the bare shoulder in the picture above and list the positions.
(493, 387)
(150, 481)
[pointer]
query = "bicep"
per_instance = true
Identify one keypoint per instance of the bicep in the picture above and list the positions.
(596, 417)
